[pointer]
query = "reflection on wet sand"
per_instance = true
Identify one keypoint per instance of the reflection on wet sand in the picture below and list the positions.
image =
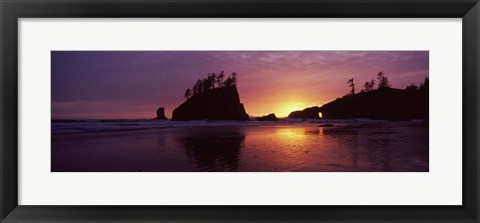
(213, 150)
(383, 147)
(299, 147)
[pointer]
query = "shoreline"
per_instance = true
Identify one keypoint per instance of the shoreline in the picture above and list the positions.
(94, 126)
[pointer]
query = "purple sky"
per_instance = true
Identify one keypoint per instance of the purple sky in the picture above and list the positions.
(132, 84)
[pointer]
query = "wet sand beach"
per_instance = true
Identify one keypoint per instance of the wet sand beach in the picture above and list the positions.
(296, 147)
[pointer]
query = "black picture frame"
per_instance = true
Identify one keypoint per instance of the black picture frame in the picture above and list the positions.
(12, 10)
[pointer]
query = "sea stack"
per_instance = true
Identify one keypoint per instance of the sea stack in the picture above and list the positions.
(161, 114)
(213, 104)
(307, 113)
(270, 117)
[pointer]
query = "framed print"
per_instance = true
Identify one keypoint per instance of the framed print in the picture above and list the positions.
(239, 111)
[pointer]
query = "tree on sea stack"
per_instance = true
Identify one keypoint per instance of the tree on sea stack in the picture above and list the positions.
(196, 88)
(214, 97)
(382, 80)
(188, 93)
(352, 85)
(424, 85)
(231, 81)
(368, 86)
(208, 83)
(411, 87)
(220, 77)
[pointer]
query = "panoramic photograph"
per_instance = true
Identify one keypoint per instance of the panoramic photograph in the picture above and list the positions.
(239, 111)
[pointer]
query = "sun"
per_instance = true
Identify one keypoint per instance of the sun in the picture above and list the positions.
(285, 108)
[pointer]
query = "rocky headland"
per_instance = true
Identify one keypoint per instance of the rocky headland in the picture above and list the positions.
(269, 117)
(386, 103)
(383, 103)
(307, 113)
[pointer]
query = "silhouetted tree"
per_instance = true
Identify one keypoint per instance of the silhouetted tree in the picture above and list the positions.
(234, 77)
(208, 83)
(197, 88)
(188, 93)
(368, 86)
(424, 85)
(411, 87)
(365, 86)
(228, 82)
(231, 81)
(382, 80)
(220, 77)
(352, 85)
(201, 85)
(211, 79)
